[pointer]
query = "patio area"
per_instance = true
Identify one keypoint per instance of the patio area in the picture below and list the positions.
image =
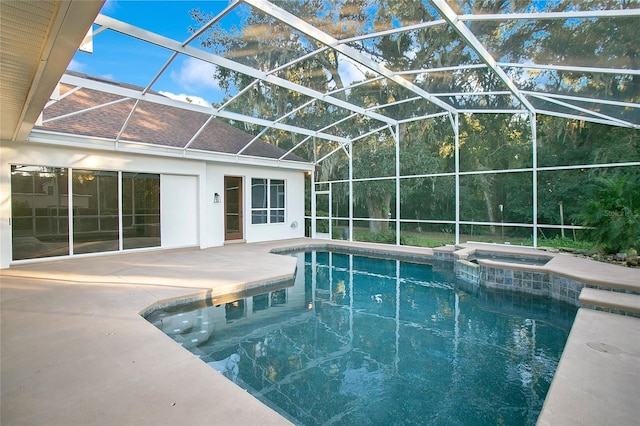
(75, 349)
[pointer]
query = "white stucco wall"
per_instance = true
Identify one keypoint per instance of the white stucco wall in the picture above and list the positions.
(205, 224)
(294, 199)
(179, 208)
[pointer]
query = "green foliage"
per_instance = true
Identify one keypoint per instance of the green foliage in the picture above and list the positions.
(322, 226)
(427, 240)
(384, 238)
(487, 142)
(559, 242)
(415, 239)
(375, 237)
(612, 214)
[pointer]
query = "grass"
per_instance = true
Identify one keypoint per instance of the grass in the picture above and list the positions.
(559, 242)
(438, 239)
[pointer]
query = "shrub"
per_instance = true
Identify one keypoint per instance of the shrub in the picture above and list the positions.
(612, 214)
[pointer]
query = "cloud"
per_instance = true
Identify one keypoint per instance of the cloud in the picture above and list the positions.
(109, 6)
(350, 72)
(195, 100)
(76, 66)
(194, 75)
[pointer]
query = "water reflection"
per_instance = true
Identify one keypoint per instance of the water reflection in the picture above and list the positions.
(359, 340)
(228, 367)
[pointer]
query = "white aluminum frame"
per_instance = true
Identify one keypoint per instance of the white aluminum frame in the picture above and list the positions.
(449, 17)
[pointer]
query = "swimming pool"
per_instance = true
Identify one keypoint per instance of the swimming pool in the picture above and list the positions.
(358, 340)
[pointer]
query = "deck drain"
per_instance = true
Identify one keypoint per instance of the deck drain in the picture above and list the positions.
(603, 347)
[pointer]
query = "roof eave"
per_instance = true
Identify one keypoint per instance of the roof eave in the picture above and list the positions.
(103, 144)
(69, 26)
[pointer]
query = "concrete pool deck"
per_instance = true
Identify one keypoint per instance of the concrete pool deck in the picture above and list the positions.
(75, 350)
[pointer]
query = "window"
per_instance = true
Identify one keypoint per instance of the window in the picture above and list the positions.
(259, 206)
(267, 201)
(276, 206)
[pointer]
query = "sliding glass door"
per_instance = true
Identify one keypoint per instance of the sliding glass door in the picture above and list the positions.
(39, 212)
(95, 211)
(140, 210)
(110, 211)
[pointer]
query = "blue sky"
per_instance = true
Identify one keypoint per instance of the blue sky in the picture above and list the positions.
(127, 60)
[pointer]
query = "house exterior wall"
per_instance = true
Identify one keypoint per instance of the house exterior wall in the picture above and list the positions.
(294, 202)
(184, 182)
(179, 210)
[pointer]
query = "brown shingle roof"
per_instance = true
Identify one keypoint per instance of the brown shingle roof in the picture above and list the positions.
(150, 123)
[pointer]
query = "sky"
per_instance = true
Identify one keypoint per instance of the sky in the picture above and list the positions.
(123, 59)
(119, 58)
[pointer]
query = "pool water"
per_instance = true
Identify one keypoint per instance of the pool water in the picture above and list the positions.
(367, 341)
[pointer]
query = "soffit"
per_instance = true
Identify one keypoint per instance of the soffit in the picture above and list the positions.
(37, 41)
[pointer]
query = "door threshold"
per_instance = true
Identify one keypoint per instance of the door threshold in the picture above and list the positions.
(235, 241)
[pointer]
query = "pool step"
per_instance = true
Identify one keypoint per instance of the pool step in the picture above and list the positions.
(616, 301)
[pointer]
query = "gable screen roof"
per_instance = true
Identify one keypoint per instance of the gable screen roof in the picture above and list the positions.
(334, 72)
(97, 114)
(330, 73)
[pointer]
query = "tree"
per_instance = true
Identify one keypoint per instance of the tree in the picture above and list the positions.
(267, 44)
(612, 213)
(488, 142)
(564, 142)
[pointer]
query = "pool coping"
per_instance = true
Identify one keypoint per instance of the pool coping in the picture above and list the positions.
(57, 370)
